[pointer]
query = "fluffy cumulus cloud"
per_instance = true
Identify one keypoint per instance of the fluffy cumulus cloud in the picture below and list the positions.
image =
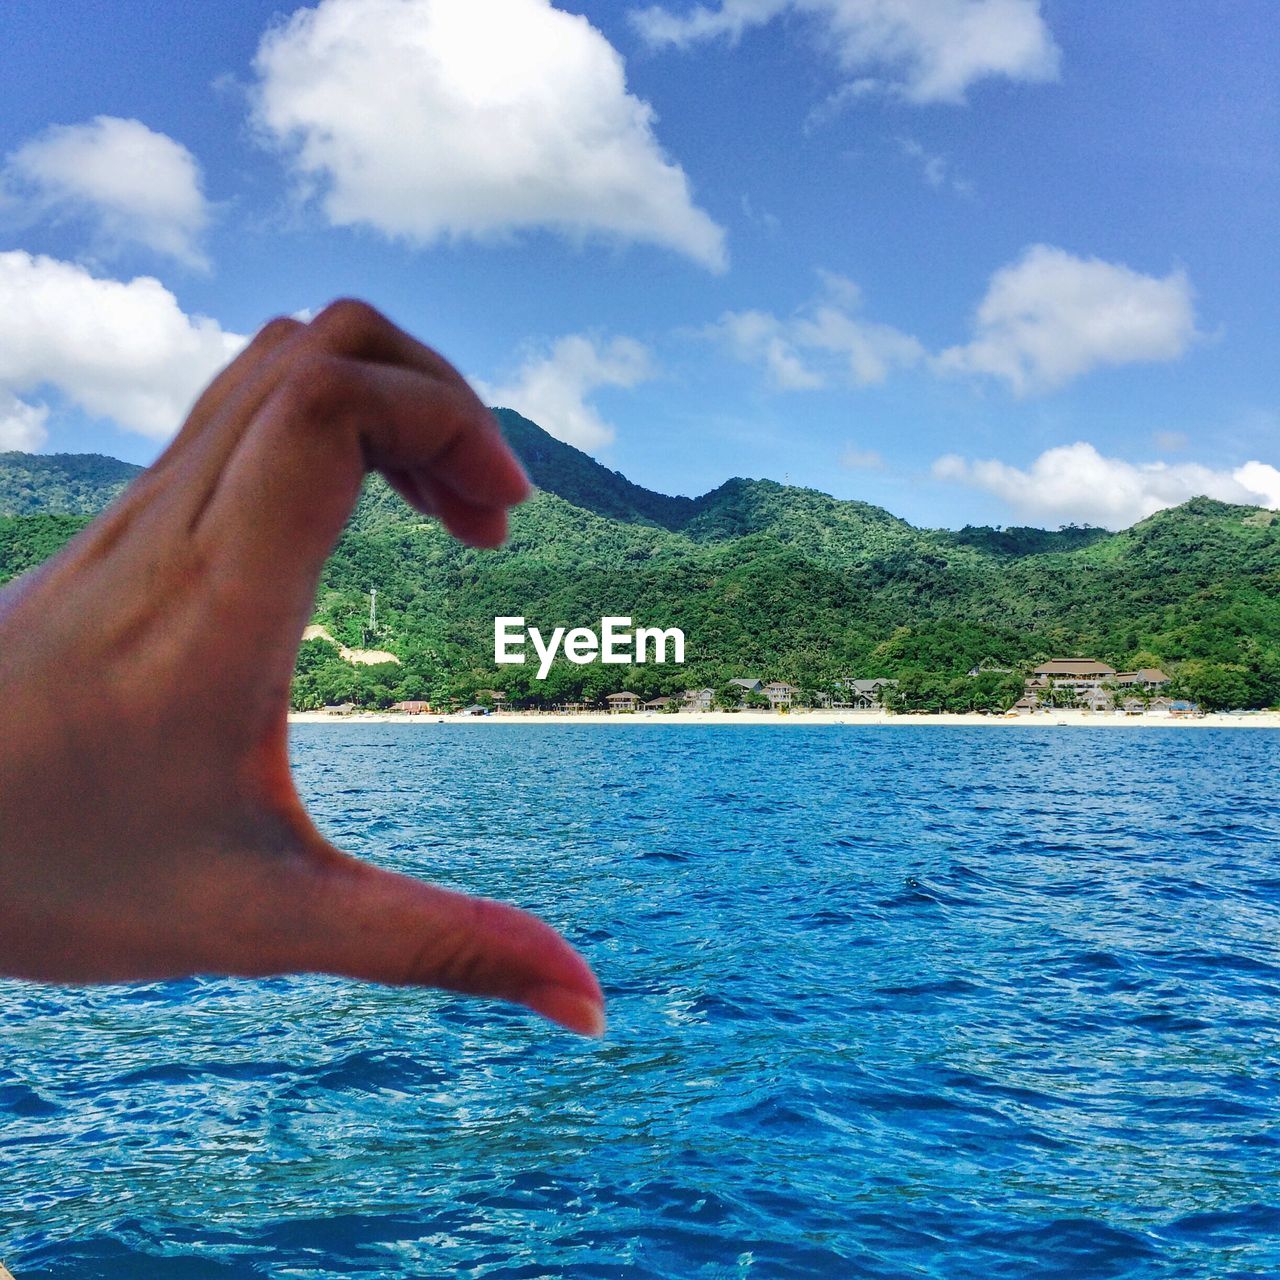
(22, 425)
(924, 50)
(441, 119)
(824, 342)
(133, 185)
(756, 337)
(1077, 483)
(1051, 317)
(1045, 320)
(553, 388)
(120, 350)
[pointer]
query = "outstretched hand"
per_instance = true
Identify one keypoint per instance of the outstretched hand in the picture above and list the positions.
(149, 826)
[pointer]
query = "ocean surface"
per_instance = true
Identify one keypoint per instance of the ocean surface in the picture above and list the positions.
(884, 1002)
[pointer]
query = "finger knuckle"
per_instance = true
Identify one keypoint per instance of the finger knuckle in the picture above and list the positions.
(316, 388)
(347, 319)
(454, 958)
(278, 329)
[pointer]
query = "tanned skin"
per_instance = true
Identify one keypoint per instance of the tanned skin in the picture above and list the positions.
(149, 825)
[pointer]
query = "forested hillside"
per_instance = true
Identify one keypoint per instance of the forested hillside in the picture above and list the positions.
(765, 580)
(60, 483)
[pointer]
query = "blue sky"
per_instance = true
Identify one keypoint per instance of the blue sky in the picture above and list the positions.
(974, 260)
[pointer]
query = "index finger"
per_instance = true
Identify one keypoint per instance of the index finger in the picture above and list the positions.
(283, 497)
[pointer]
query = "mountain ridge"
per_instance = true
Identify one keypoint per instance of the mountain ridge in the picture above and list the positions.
(766, 579)
(81, 484)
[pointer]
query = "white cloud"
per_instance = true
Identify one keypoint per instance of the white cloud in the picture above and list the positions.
(22, 425)
(443, 119)
(124, 351)
(756, 337)
(133, 185)
(871, 350)
(1260, 478)
(1050, 317)
(552, 389)
(1076, 483)
(923, 50)
(1045, 320)
(824, 341)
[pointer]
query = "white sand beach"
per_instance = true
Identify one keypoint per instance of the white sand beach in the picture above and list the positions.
(867, 719)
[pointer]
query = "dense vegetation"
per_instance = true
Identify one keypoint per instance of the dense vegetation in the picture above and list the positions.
(765, 580)
(73, 484)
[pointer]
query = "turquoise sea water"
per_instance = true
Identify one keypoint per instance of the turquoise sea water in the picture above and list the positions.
(884, 1003)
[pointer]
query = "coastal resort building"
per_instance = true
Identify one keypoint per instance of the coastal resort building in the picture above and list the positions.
(781, 695)
(474, 710)
(1076, 674)
(1094, 685)
(862, 695)
(658, 704)
(749, 684)
(699, 699)
(624, 701)
(1149, 679)
(413, 708)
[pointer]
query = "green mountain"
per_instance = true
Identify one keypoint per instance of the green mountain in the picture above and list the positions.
(766, 580)
(71, 484)
(569, 473)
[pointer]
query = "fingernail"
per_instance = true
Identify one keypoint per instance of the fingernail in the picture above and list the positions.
(569, 1009)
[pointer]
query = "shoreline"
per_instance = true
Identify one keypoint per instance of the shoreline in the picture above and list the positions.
(848, 719)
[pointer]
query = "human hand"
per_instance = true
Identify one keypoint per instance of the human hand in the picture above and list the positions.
(149, 826)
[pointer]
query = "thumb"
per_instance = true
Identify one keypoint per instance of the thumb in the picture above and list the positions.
(363, 922)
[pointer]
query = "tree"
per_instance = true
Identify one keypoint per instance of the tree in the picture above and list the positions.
(1215, 687)
(729, 696)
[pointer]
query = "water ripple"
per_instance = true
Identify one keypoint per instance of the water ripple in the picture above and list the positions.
(907, 1003)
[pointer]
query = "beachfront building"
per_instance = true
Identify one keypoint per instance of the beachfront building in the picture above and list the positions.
(413, 708)
(624, 701)
(749, 684)
(862, 695)
(1150, 679)
(658, 704)
(781, 695)
(699, 699)
(1079, 675)
(1091, 683)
